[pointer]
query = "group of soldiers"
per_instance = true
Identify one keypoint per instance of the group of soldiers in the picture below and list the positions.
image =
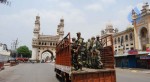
(86, 54)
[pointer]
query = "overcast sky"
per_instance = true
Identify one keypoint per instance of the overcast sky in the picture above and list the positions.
(86, 16)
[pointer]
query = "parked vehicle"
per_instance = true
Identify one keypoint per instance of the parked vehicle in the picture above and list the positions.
(63, 63)
(22, 59)
(1, 63)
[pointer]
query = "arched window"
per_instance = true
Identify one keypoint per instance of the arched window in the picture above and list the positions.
(131, 36)
(122, 39)
(126, 37)
(118, 39)
(115, 41)
(144, 32)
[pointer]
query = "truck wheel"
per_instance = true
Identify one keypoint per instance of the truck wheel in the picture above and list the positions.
(62, 78)
(67, 78)
(57, 76)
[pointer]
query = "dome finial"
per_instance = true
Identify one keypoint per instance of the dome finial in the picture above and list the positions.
(109, 25)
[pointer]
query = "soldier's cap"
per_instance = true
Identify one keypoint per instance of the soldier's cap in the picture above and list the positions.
(73, 38)
(93, 37)
(97, 36)
(78, 33)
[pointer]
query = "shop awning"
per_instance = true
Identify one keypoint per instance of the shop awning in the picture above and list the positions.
(143, 52)
(121, 55)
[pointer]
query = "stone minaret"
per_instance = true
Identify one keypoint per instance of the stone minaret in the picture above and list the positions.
(36, 32)
(60, 29)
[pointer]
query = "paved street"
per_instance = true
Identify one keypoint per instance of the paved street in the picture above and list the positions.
(127, 75)
(44, 72)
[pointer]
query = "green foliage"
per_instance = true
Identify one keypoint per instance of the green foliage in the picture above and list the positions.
(24, 51)
(129, 29)
(5, 2)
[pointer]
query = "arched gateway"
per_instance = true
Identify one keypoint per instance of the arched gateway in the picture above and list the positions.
(141, 24)
(43, 46)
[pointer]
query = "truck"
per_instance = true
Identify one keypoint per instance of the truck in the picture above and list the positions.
(63, 63)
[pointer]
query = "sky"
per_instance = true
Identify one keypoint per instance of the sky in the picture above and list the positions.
(86, 16)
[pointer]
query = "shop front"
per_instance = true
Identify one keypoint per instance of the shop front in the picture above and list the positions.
(121, 61)
(143, 61)
(128, 61)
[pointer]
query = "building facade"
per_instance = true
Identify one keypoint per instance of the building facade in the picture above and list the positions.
(43, 46)
(3, 47)
(141, 24)
(125, 55)
(123, 41)
(4, 53)
(132, 46)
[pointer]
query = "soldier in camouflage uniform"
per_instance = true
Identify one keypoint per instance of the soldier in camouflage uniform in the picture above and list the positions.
(98, 48)
(80, 51)
(84, 54)
(88, 47)
(74, 55)
(92, 51)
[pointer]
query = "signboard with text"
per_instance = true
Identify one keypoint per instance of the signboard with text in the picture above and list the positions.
(144, 57)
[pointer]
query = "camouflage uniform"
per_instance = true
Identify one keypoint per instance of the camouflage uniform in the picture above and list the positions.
(98, 47)
(81, 51)
(74, 55)
(88, 48)
(92, 51)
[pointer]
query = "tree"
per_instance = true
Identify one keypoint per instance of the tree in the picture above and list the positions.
(5, 2)
(129, 29)
(24, 51)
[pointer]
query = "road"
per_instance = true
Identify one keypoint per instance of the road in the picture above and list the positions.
(126, 75)
(44, 72)
(38, 72)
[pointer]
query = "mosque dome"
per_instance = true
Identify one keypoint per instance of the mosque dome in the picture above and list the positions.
(109, 26)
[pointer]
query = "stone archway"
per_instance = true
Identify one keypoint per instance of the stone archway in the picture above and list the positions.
(143, 38)
(47, 55)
